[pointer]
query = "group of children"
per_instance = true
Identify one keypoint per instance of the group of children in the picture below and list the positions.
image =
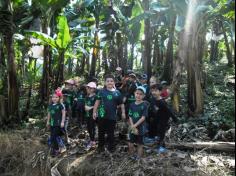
(123, 97)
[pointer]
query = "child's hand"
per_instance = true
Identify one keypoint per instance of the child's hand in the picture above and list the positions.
(88, 108)
(47, 125)
(62, 124)
(123, 116)
(94, 116)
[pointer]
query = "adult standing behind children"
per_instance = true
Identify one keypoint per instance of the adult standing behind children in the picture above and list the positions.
(105, 109)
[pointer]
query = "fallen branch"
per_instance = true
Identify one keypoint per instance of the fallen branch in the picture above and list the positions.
(213, 146)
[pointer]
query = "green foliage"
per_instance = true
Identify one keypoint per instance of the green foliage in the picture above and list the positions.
(63, 36)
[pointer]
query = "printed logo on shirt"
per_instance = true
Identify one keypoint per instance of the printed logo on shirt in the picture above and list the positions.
(136, 115)
(109, 97)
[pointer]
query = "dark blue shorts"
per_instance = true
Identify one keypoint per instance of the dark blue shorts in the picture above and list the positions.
(137, 139)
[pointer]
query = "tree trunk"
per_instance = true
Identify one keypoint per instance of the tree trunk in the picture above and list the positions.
(27, 107)
(70, 66)
(44, 95)
(111, 56)
(228, 52)
(96, 51)
(228, 147)
(125, 55)
(13, 92)
(82, 65)
(104, 61)
(120, 55)
(131, 59)
(147, 43)
(60, 73)
(156, 53)
(2, 57)
(194, 37)
(3, 113)
(168, 66)
(178, 70)
(95, 55)
(214, 43)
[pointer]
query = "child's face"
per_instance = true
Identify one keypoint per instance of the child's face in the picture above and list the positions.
(55, 98)
(155, 92)
(143, 81)
(152, 82)
(131, 79)
(139, 95)
(110, 83)
(90, 90)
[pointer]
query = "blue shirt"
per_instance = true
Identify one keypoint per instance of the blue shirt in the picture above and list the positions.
(109, 100)
(136, 112)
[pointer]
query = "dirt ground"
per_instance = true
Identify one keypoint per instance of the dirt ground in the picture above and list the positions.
(25, 152)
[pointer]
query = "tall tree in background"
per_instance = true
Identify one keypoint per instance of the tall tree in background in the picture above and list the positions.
(194, 36)
(7, 29)
(147, 42)
(168, 66)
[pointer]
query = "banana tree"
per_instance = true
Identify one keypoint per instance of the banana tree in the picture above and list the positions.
(7, 30)
(61, 44)
(47, 9)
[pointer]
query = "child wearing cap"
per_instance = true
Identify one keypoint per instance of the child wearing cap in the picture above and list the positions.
(105, 109)
(143, 81)
(89, 103)
(131, 87)
(138, 111)
(162, 114)
(165, 93)
(56, 122)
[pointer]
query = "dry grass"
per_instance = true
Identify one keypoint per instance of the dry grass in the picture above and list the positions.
(20, 154)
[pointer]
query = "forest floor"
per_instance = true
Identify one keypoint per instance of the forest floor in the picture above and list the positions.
(25, 151)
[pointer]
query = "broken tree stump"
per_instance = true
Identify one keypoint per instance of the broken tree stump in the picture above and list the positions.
(213, 146)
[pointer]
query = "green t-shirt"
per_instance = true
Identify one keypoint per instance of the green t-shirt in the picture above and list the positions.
(136, 112)
(90, 101)
(55, 111)
(109, 102)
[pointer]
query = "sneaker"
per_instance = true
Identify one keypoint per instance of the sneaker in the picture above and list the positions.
(135, 157)
(149, 140)
(62, 150)
(161, 150)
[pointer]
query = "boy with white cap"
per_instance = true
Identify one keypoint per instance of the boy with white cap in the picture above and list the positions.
(138, 111)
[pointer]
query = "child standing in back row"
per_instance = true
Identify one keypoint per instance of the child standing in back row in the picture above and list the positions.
(89, 103)
(56, 122)
(138, 112)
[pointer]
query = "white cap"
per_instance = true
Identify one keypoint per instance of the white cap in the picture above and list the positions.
(142, 89)
(118, 69)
